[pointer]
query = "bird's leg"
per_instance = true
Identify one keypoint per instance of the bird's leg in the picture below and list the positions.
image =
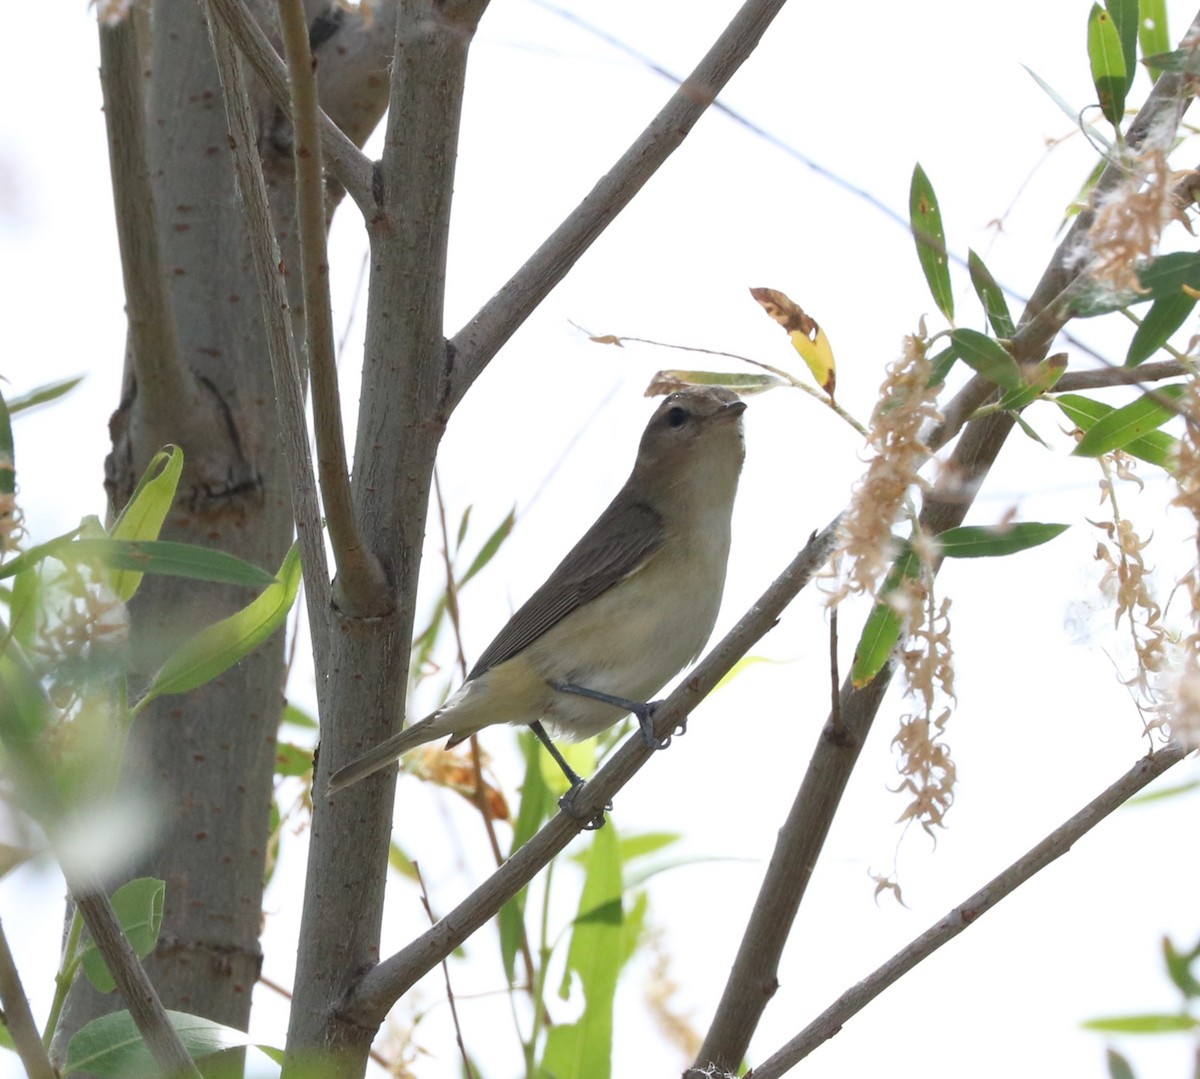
(567, 801)
(643, 710)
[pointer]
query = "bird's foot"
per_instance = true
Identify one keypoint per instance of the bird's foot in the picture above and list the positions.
(567, 804)
(643, 710)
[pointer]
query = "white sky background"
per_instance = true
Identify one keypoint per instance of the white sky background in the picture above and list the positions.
(1042, 723)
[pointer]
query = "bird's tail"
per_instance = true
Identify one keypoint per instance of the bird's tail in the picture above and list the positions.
(384, 753)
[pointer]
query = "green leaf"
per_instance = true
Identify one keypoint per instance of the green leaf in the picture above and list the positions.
(488, 551)
(988, 357)
(1150, 1023)
(991, 295)
(1130, 422)
(292, 760)
(1165, 316)
(298, 718)
(218, 647)
(1161, 278)
(1157, 794)
(741, 382)
(1152, 31)
(8, 456)
(926, 223)
(882, 630)
(975, 541)
(166, 558)
(1118, 1066)
(139, 908)
(1093, 134)
(1179, 969)
(42, 395)
(30, 558)
(1043, 378)
(537, 803)
(583, 1049)
(1156, 447)
(112, 1048)
(1028, 431)
(1108, 64)
(940, 365)
(1125, 19)
(144, 514)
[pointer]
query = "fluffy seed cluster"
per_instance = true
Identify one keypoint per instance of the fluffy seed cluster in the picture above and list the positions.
(906, 405)
(1126, 581)
(1129, 221)
(926, 768)
(1181, 708)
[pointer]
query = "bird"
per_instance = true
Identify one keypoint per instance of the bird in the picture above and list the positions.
(632, 603)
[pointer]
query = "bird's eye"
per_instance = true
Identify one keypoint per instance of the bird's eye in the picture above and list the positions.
(677, 416)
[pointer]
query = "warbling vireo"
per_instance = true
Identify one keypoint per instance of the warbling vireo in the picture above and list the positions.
(630, 606)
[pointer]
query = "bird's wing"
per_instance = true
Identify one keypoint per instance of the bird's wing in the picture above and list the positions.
(634, 533)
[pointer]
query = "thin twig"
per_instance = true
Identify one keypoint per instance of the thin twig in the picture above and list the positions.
(458, 1034)
(1056, 844)
(153, 344)
(133, 983)
(19, 1019)
(281, 347)
(346, 161)
(382, 986)
(476, 343)
(361, 585)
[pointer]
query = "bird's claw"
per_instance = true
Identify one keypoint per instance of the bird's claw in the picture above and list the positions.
(567, 804)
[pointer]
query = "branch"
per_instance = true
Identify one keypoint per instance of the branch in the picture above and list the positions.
(360, 581)
(1104, 377)
(133, 983)
(383, 985)
(473, 347)
(153, 346)
(281, 348)
(1048, 309)
(19, 1019)
(346, 161)
(1056, 844)
(753, 980)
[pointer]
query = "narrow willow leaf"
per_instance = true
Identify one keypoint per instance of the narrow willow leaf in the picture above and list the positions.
(488, 551)
(1156, 448)
(112, 1048)
(1093, 134)
(988, 357)
(583, 1049)
(168, 559)
(741, 383)
(292, 760)
(139, 908)
(1152, 1023)
(536, 805)
(1108, 64)
(882, 629)
(1028, 430)
(144, 514)
(1161, 278)
(991, 295)
(1130, 422)
(1043, 378)
(1125, 19)
(940, 365)
(1163, 319)
(1118, 1066)
(1153, 33)
(218, 647)
(8, 456)
(43, 395)
(976, 541)
(30, 558)
(926, 222)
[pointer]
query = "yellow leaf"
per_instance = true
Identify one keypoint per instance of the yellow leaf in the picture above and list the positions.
(807, 337)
